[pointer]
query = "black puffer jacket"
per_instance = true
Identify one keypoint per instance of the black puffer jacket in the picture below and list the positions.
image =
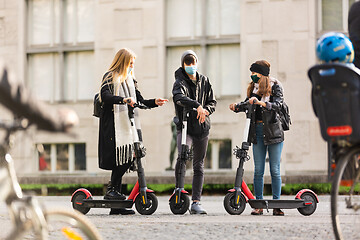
(192, 96)
(354, 30)
(273, 132)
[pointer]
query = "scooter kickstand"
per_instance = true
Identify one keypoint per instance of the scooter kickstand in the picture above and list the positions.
(267, 206)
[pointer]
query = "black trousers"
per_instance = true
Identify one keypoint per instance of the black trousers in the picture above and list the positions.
(199, 147)
(117, 174)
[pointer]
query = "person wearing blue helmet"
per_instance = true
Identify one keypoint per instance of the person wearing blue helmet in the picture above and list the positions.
(354, 30)
(335, 47)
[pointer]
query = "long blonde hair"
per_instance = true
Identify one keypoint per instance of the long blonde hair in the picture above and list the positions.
(120, 66)
(264, 82)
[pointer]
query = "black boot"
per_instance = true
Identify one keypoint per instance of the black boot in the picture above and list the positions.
(113, 193)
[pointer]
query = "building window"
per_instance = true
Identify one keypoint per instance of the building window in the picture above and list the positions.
(65, 157)
(334, 15)
(212, 29)
(218, 155)
(60, 49)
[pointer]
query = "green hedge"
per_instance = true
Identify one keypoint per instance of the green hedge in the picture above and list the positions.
(166, 189)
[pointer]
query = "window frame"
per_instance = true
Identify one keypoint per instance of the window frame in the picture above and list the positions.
(61, 49)
(203, 42)
(345, 11)
(215, 156)
(53, 158)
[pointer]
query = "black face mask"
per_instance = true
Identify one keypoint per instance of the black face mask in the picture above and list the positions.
(255, 78)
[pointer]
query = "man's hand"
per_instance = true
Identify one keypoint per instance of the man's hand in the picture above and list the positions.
(202, 113)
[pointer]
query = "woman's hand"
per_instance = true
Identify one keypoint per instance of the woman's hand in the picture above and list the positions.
(160, 101)
(232, 106)
(253, 100)
(130, 101)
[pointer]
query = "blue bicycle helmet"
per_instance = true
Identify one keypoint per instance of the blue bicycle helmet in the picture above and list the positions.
(335, 47)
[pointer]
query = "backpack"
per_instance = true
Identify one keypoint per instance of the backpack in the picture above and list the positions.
(98, 106)
(285, 116)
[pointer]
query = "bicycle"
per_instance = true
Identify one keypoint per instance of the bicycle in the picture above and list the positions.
(345, 193)
(29, 218)
(335, 99)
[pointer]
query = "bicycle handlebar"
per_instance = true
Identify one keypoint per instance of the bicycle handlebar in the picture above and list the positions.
(15, 97)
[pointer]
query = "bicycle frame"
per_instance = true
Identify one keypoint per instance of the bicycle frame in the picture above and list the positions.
(25, 212)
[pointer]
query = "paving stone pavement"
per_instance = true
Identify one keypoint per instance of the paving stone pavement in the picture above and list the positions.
(217, 224)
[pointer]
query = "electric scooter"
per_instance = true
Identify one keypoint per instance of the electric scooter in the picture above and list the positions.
(236, 198)
(179, 201)
(144, 199)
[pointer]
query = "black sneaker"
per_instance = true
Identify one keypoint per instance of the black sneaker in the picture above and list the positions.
(114, 195)
(122, 211)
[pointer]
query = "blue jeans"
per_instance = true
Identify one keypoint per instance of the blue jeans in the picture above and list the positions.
(259, 152)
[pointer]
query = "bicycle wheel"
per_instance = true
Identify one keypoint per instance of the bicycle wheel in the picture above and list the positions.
(345, 198)
(65, 224)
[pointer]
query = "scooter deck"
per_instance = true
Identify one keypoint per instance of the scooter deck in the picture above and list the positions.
(284, 204)
(104, 203)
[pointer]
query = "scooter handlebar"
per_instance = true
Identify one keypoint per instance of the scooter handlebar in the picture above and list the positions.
(138, 105)
(187, 109)
(245, 105)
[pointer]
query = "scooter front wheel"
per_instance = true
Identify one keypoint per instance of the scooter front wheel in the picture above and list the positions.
(77, 202)
(230, 205)
(182, 206)
(151, 206)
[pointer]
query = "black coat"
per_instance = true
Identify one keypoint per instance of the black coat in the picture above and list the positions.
(107, 145)
(354, 30)
(193, 95)
(273, 132)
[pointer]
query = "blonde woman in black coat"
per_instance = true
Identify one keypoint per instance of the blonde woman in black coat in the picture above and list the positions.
(119, 88)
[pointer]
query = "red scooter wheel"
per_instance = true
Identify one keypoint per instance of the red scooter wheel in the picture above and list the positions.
(77, 202)
(230, 205)
(309, 209)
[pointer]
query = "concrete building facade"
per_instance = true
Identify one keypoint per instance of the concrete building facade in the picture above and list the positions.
(61, 48)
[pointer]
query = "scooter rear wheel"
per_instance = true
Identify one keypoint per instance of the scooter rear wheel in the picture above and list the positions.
(310, 209)
(148, 209)
(230, 205)
(182, 206)
(78, 201)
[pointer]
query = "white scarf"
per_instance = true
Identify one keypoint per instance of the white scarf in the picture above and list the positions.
(123, 135)
(272, 82)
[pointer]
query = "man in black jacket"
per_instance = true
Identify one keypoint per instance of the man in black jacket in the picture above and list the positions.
(193, 90)
(354, 30)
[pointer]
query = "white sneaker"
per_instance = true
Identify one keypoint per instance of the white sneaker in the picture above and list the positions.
(197, 209)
